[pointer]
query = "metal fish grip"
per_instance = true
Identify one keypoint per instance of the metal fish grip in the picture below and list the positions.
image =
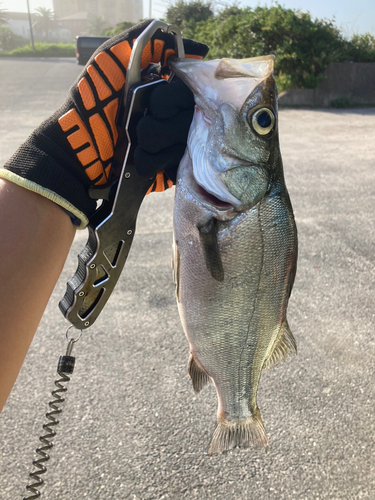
(112, 226)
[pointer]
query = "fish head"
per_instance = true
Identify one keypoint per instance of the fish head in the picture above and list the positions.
(233, 139)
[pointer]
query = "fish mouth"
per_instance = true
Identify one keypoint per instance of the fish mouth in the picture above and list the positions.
(246, 193)
(212, 199)
(221, 209)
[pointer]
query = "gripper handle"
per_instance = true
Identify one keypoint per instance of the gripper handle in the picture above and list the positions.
(102, 260)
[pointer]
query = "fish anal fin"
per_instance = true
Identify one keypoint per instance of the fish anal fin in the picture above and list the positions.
(284, 346)
(238, 433)
(198, 376)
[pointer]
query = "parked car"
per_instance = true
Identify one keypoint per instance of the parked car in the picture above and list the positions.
(87, 45)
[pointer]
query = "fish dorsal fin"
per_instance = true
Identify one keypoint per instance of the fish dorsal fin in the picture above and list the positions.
(214, 80)
(284, 346)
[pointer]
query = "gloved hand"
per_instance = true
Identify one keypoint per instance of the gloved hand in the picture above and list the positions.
(73, 149)
(162, 134)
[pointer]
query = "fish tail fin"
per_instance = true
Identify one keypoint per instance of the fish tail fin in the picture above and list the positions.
(240, 433)
(198, 376)
(284, 346)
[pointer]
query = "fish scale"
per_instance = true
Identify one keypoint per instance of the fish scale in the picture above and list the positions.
(234, 263)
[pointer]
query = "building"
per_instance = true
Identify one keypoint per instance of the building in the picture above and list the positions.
(113, 11)
(66, 8)
(18, 22)
(76, 23)
(117, 11)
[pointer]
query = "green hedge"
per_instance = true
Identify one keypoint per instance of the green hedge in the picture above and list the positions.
(43, 49)
(303, 46)
(9, 40)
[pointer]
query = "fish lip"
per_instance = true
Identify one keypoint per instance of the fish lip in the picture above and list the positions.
(204, 115)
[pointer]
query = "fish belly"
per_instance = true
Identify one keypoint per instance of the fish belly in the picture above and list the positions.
(233, 325)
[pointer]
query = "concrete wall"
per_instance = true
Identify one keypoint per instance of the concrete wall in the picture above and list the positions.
(353, 80)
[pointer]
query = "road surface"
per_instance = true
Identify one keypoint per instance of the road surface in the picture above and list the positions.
(133, 427)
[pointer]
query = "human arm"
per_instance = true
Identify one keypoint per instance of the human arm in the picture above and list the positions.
(35, 239)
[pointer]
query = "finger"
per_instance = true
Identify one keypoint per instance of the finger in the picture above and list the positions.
(192, 49)
(148, 164)
(155, 135)
(167, 100)
(195, 48)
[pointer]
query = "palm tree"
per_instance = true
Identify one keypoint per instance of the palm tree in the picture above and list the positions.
(44, 21)
(96, 25)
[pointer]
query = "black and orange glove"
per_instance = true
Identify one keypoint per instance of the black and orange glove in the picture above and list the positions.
(73, 150)
(163, 132)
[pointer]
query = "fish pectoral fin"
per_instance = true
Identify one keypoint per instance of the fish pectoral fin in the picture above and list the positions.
(238, 433)
(198, 376)
(284, 346)
(176, 268)
(210, 247)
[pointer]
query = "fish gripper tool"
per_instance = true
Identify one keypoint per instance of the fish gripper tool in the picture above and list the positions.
(112, 226)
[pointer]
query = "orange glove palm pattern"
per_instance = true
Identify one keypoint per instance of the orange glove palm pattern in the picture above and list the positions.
(73, 150)
(100, 90)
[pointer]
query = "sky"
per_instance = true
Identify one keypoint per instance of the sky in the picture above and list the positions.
(356, 16)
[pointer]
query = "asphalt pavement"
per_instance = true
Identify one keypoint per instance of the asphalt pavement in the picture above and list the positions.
(132, 427)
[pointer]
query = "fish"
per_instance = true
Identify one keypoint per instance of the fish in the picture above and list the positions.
(235, 240)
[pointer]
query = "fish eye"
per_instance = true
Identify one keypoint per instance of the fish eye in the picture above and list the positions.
(263, 121)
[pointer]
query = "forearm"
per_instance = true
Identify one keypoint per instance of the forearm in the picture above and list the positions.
(35, 237)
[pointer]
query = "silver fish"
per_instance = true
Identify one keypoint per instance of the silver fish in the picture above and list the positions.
(235, 240)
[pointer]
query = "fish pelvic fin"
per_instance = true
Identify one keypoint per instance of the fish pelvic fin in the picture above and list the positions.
(238, 433)
(198, 376)
(284, 346)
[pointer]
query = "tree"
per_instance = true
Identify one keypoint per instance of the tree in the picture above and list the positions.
(9, 40)
(96, 25)
(361, 48)
(303, 46)
(119, 28)
(185, 14)
(44, 21)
